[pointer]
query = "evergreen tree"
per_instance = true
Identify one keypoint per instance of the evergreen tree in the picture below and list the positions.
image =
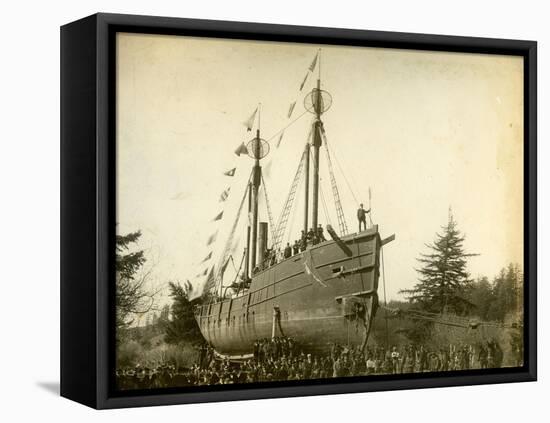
(182, 327)
(443, 281)
(507, 293)
(482, 296)
(132, 296)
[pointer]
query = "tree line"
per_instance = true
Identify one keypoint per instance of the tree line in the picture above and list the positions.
(444, 286)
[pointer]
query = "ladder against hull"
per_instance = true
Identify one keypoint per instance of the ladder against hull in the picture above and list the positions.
(317, 297)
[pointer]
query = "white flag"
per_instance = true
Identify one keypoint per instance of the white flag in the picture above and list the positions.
(313, 63)
(249, 123)
(291, 109)
(280, 139)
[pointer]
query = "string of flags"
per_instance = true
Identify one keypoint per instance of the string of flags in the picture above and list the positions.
(241, 149)
(224, 195)
(292, 106)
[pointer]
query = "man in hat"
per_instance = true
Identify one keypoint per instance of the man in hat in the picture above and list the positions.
(362, 216)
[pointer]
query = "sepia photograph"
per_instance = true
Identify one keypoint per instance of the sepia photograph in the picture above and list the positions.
(296, 212)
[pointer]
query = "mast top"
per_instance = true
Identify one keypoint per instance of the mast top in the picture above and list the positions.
(318, 101)
(257, 147)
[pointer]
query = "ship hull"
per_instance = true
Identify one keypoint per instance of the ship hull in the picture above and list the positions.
(319, 297)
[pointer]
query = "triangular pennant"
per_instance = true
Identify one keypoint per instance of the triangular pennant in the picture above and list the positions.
(291, 109)
(249, 123)
(219, 216)
(212, 238)
(280, 139)
(224, 195)
(304, 81)
(241, 149)
(313, 63)
(230, 172)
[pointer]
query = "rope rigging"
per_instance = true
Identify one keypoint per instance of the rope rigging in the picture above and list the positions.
(227, 248)
(287, 126)
(385, 300)
(283, 218)
(341, 171)
(269, 214)
(456, 321)
(325, 208)
(342, 224)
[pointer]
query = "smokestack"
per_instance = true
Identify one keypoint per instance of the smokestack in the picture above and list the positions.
(262, 241)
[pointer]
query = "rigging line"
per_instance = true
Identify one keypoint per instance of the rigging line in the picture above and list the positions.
(233, 262)
(240, 267)
(340, 168)
(343, 226)
(320, 188)
(325, 208)
(287, 126)
(283, 217)
(293, 212)
(227, 247)
(385, 300)
(269, 214)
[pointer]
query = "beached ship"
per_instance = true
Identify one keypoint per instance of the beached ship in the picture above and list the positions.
(323, 292)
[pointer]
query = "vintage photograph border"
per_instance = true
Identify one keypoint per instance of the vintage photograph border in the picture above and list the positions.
(94, 329)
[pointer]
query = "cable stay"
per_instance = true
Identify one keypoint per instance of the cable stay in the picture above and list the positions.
(268, 206)
(325, 208)
(341, 170)
(226, 253)
(338, 204)
(283, 218)
(235, 285)
(287, 126)
(455, 322)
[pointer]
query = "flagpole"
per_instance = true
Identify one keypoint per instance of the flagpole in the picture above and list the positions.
(317, 142)
(370, 208)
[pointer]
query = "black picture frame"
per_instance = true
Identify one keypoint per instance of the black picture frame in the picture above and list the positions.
(88, 206)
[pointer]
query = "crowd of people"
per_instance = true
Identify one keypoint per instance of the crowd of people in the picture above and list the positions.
(281, 359)
(311, 237)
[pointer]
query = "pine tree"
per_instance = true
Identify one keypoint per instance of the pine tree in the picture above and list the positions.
(182, 327)
(133, 298)
(507, 292)
(443, 278)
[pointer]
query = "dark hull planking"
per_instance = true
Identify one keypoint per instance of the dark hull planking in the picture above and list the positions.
(324, 295)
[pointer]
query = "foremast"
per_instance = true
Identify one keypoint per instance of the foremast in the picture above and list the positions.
(257, 149)
(254, 191)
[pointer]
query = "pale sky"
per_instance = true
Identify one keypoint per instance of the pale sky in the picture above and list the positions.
(425, 130)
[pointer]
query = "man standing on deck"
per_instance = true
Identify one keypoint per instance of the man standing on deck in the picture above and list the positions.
(320, 234)
(287, 251)
(362, 216)
(296, 247)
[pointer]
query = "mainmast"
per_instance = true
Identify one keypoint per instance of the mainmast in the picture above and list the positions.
(256, 179)
(316, 145)
(316, 102)
(306, 188)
